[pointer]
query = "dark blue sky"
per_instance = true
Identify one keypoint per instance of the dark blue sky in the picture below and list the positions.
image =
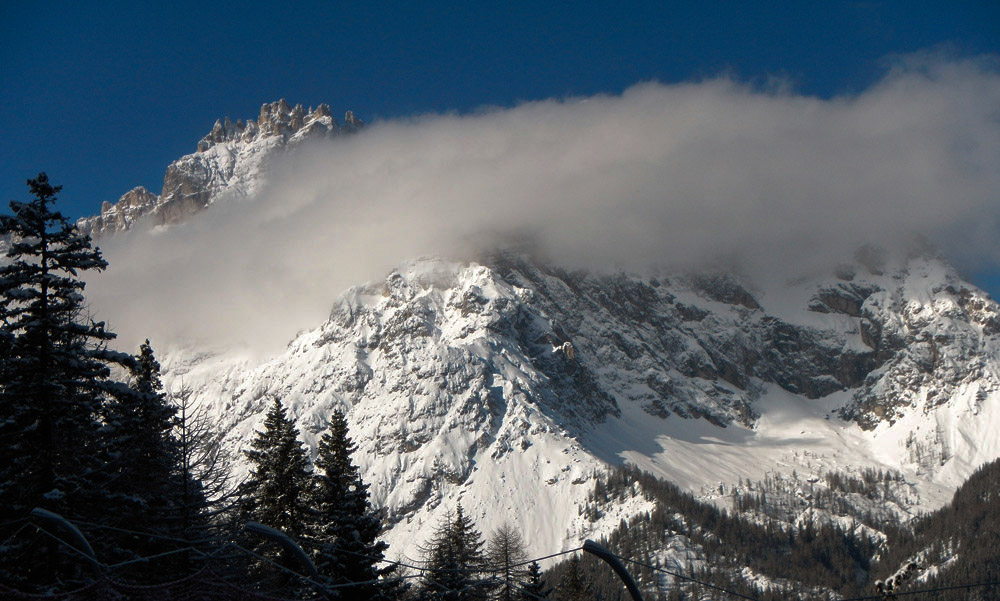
(104, 95)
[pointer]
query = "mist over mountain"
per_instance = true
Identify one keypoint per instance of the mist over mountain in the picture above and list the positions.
(719, 315)
(767, 183)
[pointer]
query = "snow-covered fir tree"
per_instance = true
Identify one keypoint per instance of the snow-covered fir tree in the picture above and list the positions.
(278, 489)
(344, 526)
(54, 388)
(455, 566)
(146, 463)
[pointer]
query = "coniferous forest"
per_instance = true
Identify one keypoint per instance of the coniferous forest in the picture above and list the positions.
(103, 479)
(112, 489)
(957, 545)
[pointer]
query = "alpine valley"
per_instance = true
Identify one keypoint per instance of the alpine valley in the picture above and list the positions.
(623, 407)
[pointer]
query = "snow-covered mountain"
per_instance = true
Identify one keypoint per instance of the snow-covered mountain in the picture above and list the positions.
(507, 383)
(230, 160)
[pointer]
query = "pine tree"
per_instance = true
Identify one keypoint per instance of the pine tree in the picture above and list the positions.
(534, 588)
(276, 494)
(455, 563)
(146, 461)
(505, 557)
(345, 525)
(574, 585)
(54, 382)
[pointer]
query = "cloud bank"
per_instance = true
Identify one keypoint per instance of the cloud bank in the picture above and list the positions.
(674, 176)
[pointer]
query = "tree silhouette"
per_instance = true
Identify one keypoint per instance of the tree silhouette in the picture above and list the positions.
(55, 387)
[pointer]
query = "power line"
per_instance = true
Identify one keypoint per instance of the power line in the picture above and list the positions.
(89, 558)
(150, 534)
(445, 570)
(367, 582)
(421, 569)
(12, 522)
(157, 556)
(277, 565)
(530, 561)
(16, 532)
(525, 591)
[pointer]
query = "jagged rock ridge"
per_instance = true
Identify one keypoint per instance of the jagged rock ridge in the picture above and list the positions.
(232, 159)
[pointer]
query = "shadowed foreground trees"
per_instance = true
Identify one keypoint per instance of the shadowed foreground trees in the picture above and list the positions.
(59, 451)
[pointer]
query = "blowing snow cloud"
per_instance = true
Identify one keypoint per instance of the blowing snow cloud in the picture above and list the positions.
(673, 176)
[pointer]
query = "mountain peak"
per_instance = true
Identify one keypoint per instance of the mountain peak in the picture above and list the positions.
(232, 160)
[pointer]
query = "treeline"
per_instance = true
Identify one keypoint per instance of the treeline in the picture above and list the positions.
(956, 545)
(806, 560)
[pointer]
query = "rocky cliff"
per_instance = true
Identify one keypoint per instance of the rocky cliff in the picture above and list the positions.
(232, 160)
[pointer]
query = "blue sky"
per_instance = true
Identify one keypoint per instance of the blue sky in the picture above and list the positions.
(104, 95)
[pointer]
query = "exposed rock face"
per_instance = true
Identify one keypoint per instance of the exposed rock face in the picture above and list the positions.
(934, 337)
(231, 160)
(130, 208)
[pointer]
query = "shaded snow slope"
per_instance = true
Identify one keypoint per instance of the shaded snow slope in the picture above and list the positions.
(506, 385)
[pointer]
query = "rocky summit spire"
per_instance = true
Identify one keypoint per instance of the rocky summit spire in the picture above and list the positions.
(223, 131)
(230, 160)
(352, 123)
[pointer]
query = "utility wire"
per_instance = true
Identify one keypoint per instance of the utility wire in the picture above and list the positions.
(279, 566)
(530, 561)
(157, 556)
(422, 569)
(228, 543)
(365, 582)
(12, 522)
(16, 532)
(449, 571)
(525, 591)
(309, 543)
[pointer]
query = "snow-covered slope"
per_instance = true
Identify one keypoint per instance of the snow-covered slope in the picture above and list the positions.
(504, 385)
